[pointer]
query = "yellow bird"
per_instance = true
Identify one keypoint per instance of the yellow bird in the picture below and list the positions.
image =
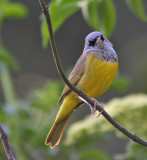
(93, 74)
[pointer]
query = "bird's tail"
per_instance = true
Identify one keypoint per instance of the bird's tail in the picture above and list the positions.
(55, 133)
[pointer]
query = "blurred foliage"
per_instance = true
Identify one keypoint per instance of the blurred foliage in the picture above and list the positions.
(121, 83)
(37, 114)
(7, 58)
(10, 9)
(99, 14)
(59, 12)
(27, 121)
(134, 152)
(129, 111)
(137, 7)
(120, 109)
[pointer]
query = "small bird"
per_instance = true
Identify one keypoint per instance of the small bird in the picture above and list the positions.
(93, 74)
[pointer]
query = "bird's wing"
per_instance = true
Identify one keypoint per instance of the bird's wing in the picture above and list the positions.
(75, 75)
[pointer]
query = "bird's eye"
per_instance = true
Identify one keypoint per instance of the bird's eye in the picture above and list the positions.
(92, 42)
(102, 37)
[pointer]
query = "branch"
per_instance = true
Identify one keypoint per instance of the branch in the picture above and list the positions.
(5, 143)
(79, 92)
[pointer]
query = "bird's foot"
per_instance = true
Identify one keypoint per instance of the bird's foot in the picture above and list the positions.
(93, 108)
(99, 104)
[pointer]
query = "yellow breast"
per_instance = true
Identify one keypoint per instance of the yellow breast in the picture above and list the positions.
(98, 76)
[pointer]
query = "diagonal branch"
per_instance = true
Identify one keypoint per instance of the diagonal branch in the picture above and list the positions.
(5, 143)
(132, 136)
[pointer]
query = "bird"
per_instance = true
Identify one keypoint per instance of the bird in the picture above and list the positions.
(93, 73)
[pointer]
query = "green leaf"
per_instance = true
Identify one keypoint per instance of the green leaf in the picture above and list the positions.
(100, 14)
(107, 16)
(137, 7)
(7, 58)
(13, 10)
(59, 12)
(90, 13)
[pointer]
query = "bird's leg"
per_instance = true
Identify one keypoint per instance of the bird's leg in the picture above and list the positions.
(93, 108)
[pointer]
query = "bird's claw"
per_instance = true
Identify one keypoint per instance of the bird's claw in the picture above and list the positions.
(94, 107)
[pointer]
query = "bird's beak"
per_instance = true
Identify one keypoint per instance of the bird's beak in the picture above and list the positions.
(99, 41)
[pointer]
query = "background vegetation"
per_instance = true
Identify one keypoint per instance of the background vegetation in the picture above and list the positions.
(27, 117)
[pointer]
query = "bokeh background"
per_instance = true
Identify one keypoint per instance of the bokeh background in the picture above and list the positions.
(22, 38)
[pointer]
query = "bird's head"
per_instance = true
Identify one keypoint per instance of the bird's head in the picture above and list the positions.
(96, 41)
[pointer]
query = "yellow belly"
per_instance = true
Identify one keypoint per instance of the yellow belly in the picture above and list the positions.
(98, 76)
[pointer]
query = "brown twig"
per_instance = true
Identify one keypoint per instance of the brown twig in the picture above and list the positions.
(5, 143)
(79, 92)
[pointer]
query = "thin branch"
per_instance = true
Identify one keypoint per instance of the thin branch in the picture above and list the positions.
(54, 48)
(79, 92)
(5, 143)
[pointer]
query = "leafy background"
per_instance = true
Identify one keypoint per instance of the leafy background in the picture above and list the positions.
(30, 85)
